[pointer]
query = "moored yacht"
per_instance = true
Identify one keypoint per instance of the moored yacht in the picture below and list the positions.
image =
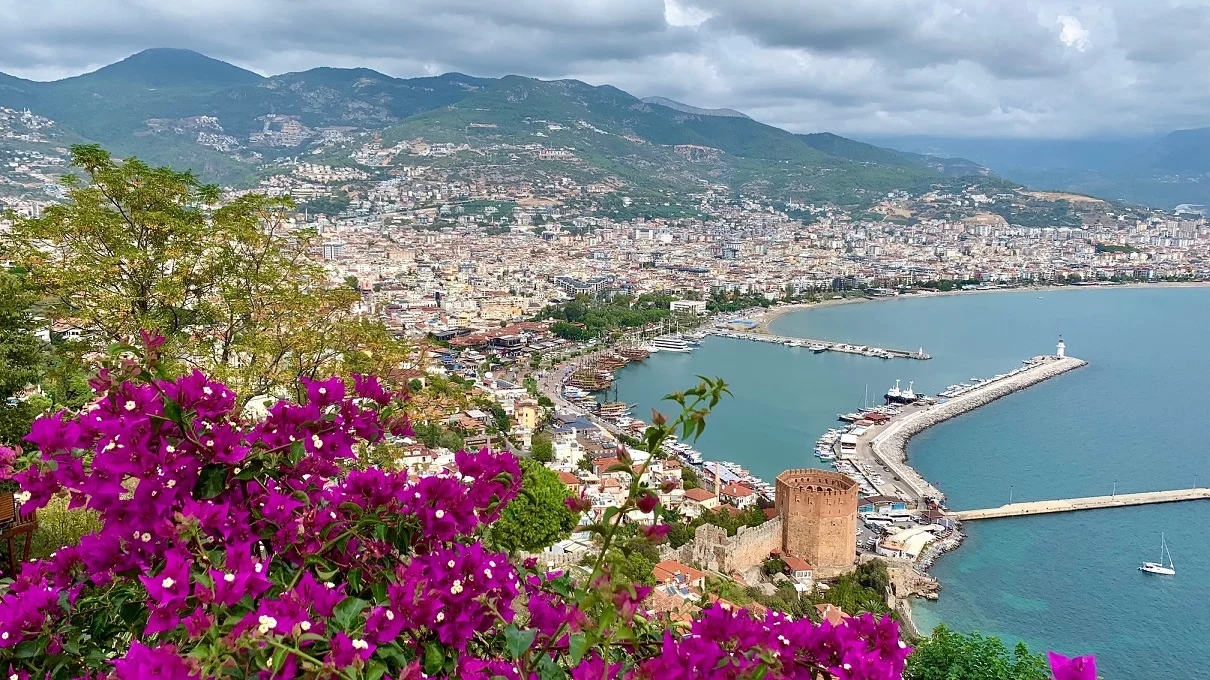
(1158, 567)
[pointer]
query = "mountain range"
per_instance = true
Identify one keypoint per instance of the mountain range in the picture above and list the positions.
(182, 108)
(1162, 171)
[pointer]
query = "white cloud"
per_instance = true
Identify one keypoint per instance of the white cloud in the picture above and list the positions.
(862, 67)
(677, 14)
(1074, 35)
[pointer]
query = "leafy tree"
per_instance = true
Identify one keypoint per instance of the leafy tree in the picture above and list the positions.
(230, 286)
(873, 575)
(21, 359)
(947, 655)
(774, 565)
(639, 564)
(545, 401)
(537, 518)
(570, 331)
(531, 385)
(689, 478)
(542, 448)
(680, 534)
(451, 440)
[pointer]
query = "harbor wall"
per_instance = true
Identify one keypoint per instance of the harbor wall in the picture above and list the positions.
(890, 445)
(1120, 500)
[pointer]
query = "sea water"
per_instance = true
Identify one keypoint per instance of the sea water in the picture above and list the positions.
(1134, 419)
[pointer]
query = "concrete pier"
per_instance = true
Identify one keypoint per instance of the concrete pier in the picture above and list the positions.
(827, 345)
(889, 445)
(1120, 500)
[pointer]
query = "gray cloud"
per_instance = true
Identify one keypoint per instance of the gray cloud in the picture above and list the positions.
(957, 67)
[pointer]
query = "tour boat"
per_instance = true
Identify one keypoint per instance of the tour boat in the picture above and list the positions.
(1158, 567)
(671, 343)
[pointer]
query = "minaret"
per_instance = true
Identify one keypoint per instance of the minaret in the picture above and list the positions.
(718, 486)
(1061, 348)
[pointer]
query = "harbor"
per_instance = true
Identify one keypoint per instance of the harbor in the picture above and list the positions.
(904, 515)
(888, 445)
(819, 346)
(1118, 418)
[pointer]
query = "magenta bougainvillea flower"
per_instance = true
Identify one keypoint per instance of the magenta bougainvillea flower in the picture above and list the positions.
(271, 547)
(1074, 668)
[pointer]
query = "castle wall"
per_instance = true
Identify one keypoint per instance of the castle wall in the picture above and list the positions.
(712, 550)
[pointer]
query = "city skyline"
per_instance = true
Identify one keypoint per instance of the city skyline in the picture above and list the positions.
(1041, 69)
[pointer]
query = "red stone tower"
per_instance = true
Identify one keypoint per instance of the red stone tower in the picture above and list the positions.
(818, 511)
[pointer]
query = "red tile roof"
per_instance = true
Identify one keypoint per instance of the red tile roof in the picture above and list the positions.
(737, 491)
(698, 495)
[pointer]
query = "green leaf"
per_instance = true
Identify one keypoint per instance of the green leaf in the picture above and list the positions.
(210, 481)
(347, 609)
(577, 646)
(549, 670)
(517, 640)
(434, 658)
(249, 470)
(172, 411)
(130, 612)
(29, 649)
(375, 669)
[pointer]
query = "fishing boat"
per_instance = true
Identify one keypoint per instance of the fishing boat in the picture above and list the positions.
(1158, 567)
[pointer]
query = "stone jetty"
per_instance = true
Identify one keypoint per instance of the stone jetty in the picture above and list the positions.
(1120, 500)
(890, 445)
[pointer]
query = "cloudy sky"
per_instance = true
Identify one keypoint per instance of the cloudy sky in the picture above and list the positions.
(1003, 68)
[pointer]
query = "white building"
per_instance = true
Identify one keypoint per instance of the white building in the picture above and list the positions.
(692, 306)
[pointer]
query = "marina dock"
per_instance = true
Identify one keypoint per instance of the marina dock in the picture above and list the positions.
(1120, 500)
(823, 345)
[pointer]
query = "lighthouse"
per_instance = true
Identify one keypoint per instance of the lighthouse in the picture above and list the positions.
(1061, 348)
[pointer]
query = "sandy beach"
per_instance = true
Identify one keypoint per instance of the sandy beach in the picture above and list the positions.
(764, 320)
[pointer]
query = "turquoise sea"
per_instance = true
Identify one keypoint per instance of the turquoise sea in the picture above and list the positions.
(1137, 416)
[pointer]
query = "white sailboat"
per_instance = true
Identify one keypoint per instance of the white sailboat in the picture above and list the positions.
(1158, 567)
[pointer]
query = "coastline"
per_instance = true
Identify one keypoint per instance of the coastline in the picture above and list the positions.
(890, 444)
(766, 319)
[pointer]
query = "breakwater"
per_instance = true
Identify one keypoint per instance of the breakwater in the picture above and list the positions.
(1120, 500)
(890, 445)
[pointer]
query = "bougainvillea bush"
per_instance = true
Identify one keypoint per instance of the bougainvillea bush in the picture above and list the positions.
(243, 548)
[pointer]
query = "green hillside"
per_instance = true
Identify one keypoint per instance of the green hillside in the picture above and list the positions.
(185, 109)
(650, 145)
